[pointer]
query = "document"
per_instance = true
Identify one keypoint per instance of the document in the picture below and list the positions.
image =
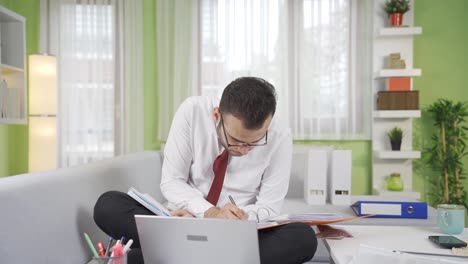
(308, 219)
(147, 201)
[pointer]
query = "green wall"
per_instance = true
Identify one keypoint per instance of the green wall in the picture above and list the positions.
(442, 54)
(149, 75)
(14, 138)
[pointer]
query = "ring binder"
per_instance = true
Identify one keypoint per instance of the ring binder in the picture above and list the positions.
(256, 213)
(380, 209)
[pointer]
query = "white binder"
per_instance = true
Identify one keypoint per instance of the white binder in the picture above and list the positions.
(315, 180)
(340, 177)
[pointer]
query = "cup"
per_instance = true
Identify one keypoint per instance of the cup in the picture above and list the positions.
(451, 218)
(109, 260)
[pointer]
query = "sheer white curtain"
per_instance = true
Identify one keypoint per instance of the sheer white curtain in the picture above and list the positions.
(315, 52)
(98, 48)
(177, 50)
(331, 84)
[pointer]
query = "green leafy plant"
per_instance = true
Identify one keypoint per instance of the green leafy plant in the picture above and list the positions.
(397, 6)
(446, 151)
(395, 134)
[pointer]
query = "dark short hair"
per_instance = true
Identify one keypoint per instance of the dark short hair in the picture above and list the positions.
(250, 99)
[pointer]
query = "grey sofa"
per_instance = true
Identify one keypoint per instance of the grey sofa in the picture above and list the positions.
(44, 215)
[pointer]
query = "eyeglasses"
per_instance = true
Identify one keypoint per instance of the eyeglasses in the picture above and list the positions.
(243, 144)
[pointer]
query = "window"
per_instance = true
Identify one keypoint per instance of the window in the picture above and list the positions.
(88, 102)
(308, 49)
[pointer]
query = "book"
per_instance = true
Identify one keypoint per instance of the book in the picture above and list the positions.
(147, 201)
(399, 84)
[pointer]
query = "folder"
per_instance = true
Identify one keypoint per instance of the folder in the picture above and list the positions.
(315, 182)
(416, 210)
(340, 177)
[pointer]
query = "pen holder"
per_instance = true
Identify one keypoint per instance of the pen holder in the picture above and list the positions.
(109, 260)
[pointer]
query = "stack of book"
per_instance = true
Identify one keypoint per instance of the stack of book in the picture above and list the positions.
(396, 62)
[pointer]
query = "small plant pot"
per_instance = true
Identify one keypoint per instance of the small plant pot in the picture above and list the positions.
(396, 19)
(395, 183)
(396, 145)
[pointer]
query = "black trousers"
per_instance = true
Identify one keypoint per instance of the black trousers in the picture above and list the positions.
(293, 243)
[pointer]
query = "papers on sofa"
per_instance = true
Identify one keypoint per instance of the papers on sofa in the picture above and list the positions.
(147, 201)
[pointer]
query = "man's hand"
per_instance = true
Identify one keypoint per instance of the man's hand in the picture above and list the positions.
(181, 213)
(229, 211)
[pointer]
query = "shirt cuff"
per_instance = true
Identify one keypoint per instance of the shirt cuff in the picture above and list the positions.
(198, 207)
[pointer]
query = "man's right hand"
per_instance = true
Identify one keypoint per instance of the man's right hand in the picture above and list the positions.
(229, 211)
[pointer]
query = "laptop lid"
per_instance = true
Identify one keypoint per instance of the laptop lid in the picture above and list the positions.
(196, 240)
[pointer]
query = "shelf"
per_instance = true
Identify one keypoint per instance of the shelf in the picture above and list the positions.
(7, 16)
(397, 114)
(12, 121)
(397, 73)
(13, 68)
(399, 31)
(403, 154)
(403, 195)
(6, 69)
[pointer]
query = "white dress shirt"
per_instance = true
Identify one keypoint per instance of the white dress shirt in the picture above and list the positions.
(258, 181)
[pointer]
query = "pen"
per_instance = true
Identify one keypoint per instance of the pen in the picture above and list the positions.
(101, 250)
(232, 200)
(117, 250)
(127, 246)
(108, 246)
(91, 246)
(429, 254)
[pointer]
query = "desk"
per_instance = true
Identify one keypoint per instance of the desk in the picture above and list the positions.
(389, 237)
(296, 204)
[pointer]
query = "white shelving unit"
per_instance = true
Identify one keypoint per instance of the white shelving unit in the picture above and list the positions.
(412, 195)
(397, 114)
(385, 73)
(385, 161)
(403, 154)
(13, 97)
(398, 31)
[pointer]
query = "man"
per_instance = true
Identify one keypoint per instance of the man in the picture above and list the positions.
(213, 152)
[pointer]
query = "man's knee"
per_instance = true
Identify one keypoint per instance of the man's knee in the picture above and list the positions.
(305, 240)
(105, 206)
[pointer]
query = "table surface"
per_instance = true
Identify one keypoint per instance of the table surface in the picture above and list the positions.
(400, 238)
(298, 205)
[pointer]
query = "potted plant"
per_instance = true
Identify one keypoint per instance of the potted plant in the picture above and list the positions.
(395, 183)
(446, 152)
(395, 135)
(395, 10)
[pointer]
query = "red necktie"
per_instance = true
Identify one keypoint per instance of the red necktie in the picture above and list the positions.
(219, 169)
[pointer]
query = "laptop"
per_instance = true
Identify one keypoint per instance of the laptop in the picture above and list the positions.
(169, 240)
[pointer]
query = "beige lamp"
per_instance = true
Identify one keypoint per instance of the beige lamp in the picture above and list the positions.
(42, 113)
